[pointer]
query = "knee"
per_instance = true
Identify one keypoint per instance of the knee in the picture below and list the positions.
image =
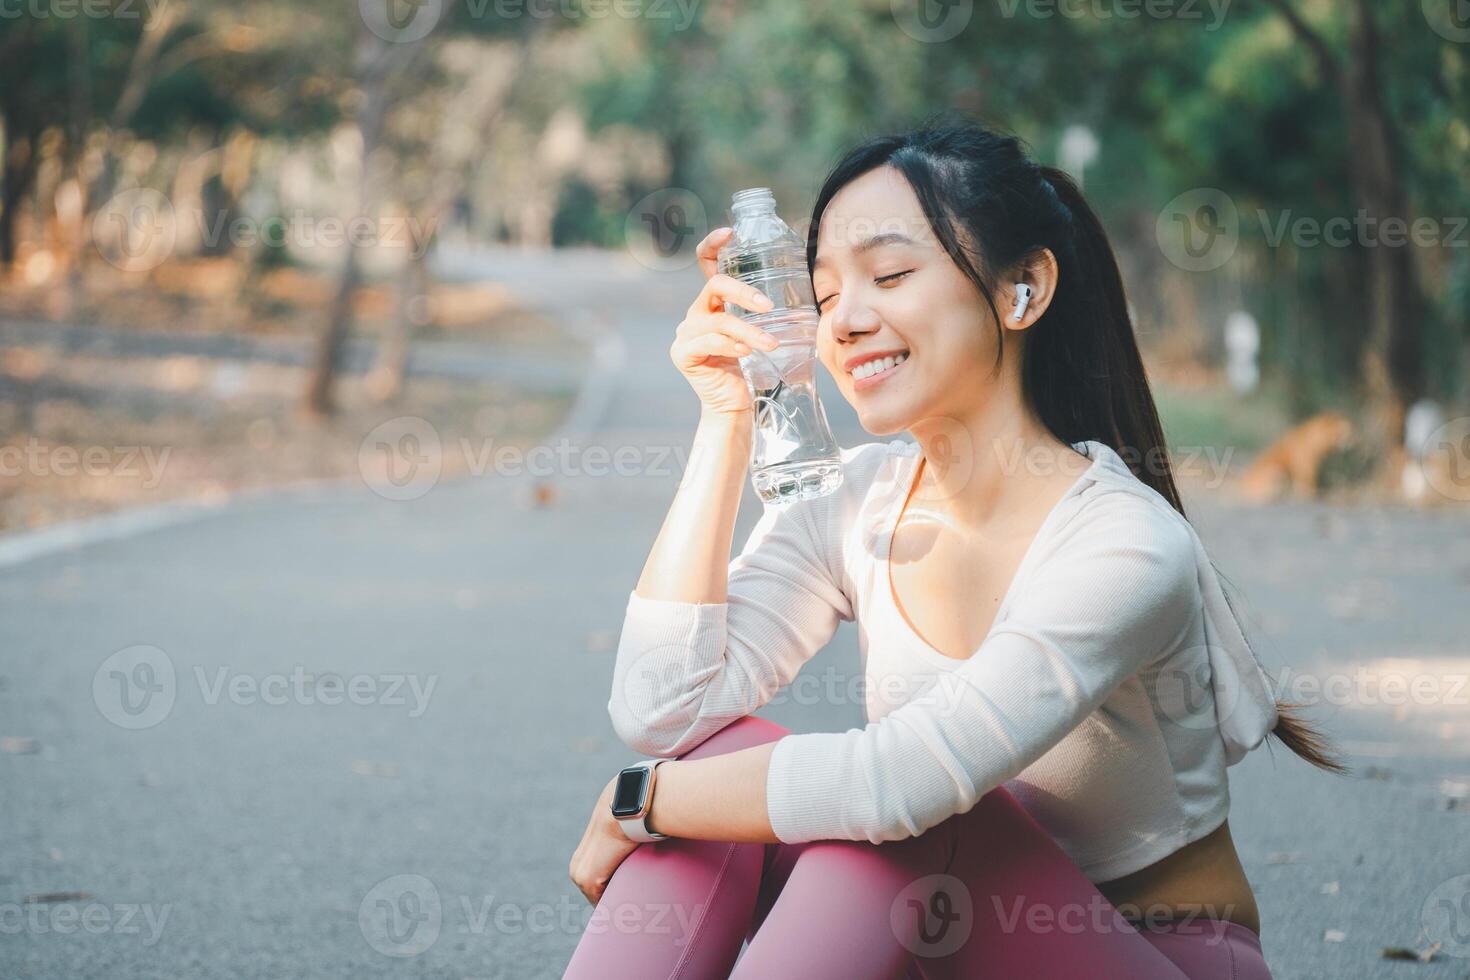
(742, 733)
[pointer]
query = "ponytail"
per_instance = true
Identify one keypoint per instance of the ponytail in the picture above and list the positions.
(1119, 401)
(1081, 370)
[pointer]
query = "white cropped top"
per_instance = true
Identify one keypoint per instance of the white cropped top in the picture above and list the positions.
(1109, 696)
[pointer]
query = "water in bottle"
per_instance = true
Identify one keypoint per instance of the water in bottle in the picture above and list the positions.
(794, 455)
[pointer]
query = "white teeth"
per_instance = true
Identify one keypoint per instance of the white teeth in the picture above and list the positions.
(871, 368)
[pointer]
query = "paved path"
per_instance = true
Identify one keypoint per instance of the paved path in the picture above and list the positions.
(234, 825)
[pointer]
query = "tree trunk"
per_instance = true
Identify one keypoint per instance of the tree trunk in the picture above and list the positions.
(1392, 360)
(79, 80)
(376, 61)
(1393, 369)
(386, 381)
(19, 175)
(320, 400)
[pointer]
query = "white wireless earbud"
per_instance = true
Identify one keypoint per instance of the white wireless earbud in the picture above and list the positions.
(1023, 299)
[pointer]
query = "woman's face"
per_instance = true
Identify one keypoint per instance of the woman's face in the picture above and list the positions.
(885, 286)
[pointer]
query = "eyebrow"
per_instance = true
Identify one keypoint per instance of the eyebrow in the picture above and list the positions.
(875, 241)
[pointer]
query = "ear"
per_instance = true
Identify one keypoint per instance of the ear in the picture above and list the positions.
(1039, 271)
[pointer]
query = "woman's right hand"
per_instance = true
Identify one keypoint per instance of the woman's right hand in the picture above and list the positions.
(709, 343)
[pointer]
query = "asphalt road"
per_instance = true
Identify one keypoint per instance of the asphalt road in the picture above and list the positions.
(331, 733)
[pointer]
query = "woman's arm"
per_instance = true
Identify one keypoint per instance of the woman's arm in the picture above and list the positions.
(1117, 592)
(687, 668)
(721, 797)
(689, 559)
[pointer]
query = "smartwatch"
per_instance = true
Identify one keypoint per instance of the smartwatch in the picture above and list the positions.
(632, 797)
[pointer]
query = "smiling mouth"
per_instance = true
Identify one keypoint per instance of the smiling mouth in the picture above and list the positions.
(865, 376)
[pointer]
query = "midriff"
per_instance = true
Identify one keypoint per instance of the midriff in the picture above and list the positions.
(1203, 879)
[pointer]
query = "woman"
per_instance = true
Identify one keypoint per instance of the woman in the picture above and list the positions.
(1056, 682)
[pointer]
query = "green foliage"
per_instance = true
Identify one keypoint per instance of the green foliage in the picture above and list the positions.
(771, 92)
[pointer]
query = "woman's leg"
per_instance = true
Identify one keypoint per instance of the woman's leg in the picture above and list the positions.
(679, 907)
(833, 917)
(986, 893)
(1034, 912)
(1209, 947)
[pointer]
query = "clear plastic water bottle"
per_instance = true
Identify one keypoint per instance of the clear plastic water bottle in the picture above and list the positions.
(793, 455)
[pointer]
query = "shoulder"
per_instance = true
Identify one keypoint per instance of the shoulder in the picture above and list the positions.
(1128, 542)
(1117, 502)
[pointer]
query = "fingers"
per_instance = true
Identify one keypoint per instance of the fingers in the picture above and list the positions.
(585, 885)
(698, 324)
(724, 327)
(719, 344)
(709, 249)
(590, 888)
(721, 289)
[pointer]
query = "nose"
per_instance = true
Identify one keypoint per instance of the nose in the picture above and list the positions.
(852, 319)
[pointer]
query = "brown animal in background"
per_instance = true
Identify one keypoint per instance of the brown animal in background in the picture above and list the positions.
(1293, 461)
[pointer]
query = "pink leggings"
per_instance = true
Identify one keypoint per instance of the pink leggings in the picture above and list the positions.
(986, 893)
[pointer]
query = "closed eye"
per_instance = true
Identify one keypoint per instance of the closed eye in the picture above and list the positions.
(881, 279)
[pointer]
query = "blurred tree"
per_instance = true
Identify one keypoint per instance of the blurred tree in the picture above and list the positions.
(427, 157)
(1393, 358)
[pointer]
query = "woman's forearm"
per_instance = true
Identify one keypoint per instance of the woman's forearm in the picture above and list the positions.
(720, 797)
(691, 555)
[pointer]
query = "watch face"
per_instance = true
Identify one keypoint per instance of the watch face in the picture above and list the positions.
(629, 791)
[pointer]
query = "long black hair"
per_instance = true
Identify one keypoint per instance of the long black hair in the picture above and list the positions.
(992, 207)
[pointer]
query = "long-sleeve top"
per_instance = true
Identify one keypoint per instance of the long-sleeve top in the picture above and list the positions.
(1110, 695)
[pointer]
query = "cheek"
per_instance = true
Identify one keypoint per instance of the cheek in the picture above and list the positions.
(955, 319)
(927, 306)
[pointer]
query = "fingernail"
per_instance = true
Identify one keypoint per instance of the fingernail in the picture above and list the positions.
(768, 339)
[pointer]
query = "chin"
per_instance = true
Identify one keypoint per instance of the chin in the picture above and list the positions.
(882, 422)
